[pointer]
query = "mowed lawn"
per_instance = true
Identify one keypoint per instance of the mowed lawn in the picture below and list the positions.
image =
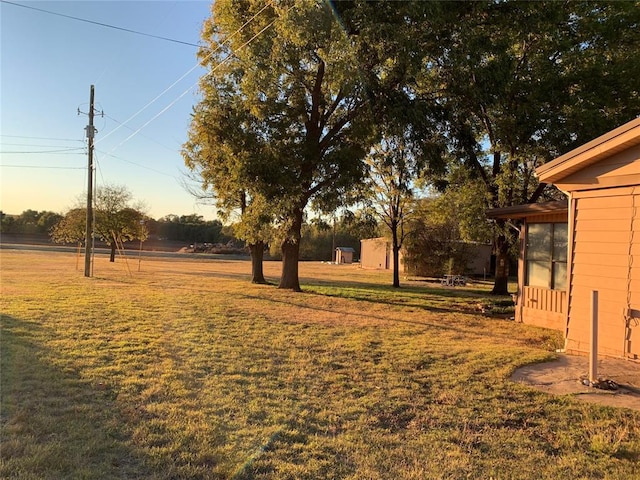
(185, 370)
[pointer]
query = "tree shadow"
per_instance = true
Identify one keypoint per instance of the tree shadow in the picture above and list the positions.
(54, 424)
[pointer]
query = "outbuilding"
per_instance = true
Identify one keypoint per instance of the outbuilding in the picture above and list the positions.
(344, 254)
(600, 234)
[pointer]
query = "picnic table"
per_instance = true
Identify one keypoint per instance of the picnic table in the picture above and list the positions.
(453, 280)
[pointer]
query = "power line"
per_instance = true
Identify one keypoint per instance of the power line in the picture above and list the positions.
(136, 164)
(183, 76)
(43, 151)
(43, 167)
(34, 145)
(145, 136)
(191, 87)
(101, 24)
(43, 138)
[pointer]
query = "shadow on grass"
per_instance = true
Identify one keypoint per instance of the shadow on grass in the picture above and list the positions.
(469, 301)
(54, 424)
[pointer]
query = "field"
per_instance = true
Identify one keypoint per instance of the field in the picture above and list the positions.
(185, 370)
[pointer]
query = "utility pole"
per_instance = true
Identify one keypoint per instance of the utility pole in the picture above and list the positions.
(89, 232)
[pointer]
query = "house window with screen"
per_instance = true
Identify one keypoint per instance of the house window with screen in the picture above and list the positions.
(546, 255)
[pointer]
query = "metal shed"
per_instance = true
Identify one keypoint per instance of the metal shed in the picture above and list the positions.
(344, 254)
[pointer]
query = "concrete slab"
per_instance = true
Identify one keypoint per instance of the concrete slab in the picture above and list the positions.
(565, 376)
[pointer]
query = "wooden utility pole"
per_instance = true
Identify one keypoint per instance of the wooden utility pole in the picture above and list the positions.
(89, 232)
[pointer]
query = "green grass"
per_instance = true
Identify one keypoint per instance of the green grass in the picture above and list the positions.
(185, 370)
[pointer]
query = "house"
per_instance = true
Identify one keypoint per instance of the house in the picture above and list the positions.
(591, 246)
(344, 254)
(542, 264)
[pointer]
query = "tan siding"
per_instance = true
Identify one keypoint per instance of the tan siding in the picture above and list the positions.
(605, 224)
(604, 283)
(588, 237)
(592, 271)
(615, 227)
(613, 212)
(599, 193)
(374, 253)
(540, 318)
(612, 247)
(610, 261)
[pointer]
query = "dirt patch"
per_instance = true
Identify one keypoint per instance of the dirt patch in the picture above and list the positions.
(565, 375)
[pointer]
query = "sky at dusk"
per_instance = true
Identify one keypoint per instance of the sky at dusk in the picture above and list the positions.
(49, 62)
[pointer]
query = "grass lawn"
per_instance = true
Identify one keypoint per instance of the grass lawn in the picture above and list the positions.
(185, 370)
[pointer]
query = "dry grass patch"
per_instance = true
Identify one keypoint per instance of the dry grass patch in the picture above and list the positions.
(186, 370)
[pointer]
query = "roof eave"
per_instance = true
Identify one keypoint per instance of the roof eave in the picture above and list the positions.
(618, 139)
(528, 210)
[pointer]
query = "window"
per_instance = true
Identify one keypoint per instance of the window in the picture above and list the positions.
(546, 255)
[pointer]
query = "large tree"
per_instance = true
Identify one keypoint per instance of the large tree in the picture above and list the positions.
(71, 228)
(393, 170)
(116, 220)
(523, 82)
(292, 68)
(224, 137)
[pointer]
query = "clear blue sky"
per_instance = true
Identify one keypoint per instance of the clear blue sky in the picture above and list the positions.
(48, 64)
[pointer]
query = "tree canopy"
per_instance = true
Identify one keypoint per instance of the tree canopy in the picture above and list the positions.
(116, 220)
(285, 79)
(523, 82)
(297, 92)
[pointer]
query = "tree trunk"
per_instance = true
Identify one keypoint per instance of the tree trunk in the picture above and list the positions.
(257, 253)
(289, 279)
(112, 257)
(396, 267)
(501, 281)
(396, 256)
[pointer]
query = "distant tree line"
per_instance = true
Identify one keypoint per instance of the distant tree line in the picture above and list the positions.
(188, 228)
(29, 222)
(437, 227)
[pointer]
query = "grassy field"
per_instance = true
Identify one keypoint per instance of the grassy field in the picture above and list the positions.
(185, 370)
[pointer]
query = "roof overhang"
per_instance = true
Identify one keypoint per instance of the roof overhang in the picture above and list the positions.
(604, 146)
(528, 210)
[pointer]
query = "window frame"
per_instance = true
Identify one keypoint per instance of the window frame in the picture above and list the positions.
(552, 261)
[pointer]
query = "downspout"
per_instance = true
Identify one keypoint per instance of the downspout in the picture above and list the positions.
(628, 312)
(570, 244)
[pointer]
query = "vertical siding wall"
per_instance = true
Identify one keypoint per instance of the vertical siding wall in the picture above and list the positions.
(606, 240)
(544, 307)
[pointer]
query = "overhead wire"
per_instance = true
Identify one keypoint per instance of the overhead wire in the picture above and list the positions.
(99, 168)
(101, 24)
(151, 102)
(191, 87)
(123, 124)
(42, 151)
(43, 138)
(34, 145)
(145, 136)
(41, 166)
(134, 163)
